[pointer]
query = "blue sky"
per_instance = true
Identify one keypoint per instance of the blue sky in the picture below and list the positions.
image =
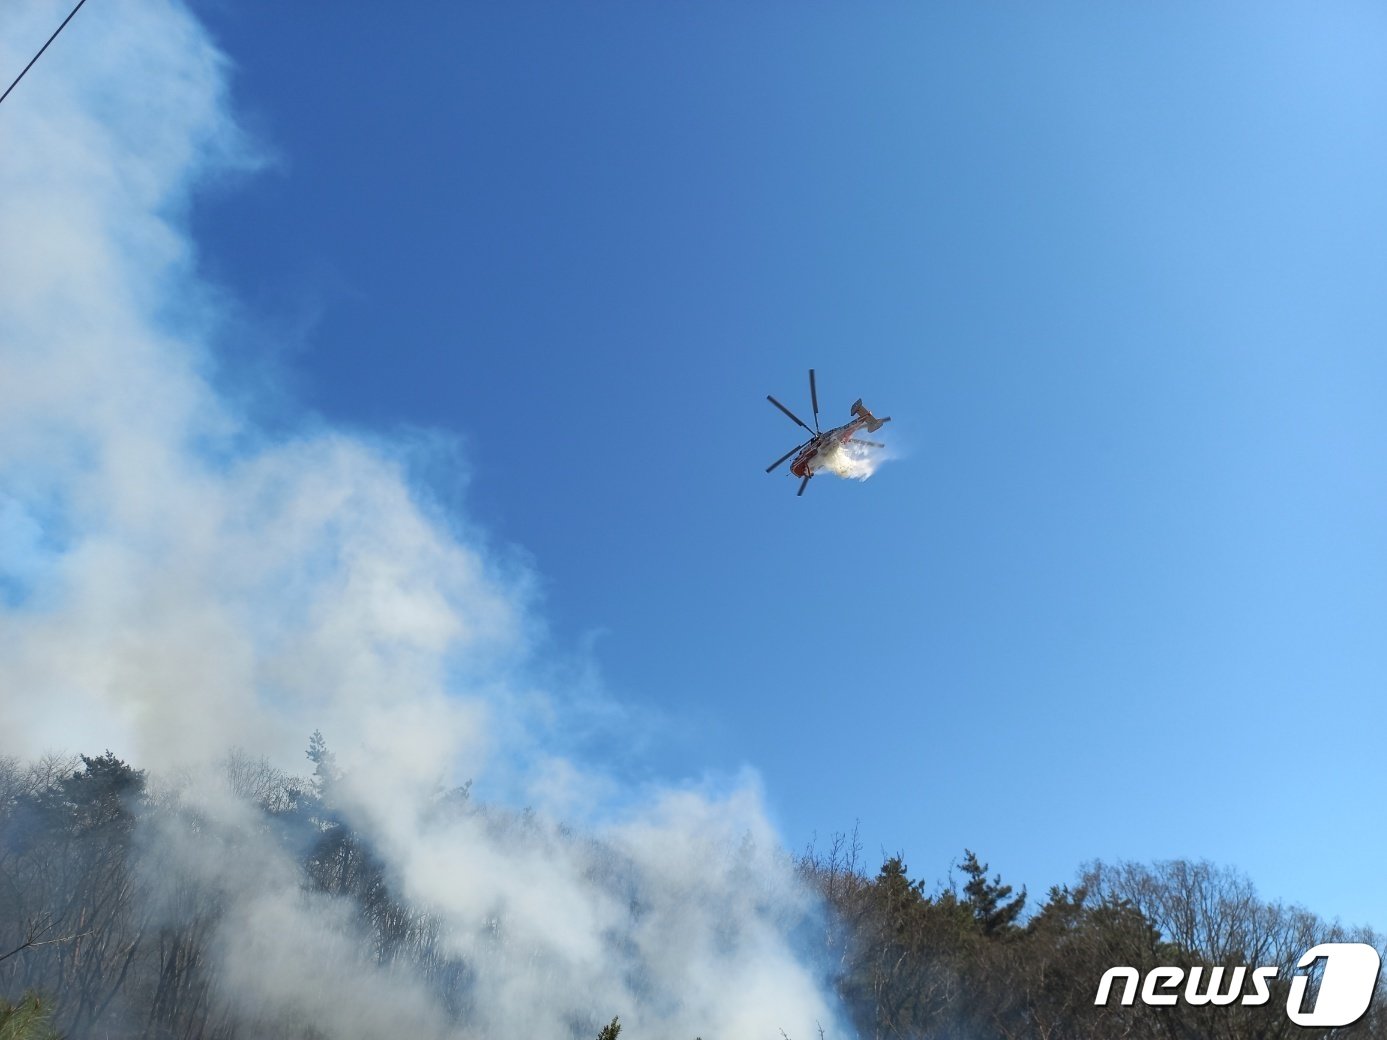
(1116, 272)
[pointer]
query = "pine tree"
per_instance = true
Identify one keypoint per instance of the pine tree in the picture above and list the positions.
(29, 1019)
(987, 899)
(325, 771)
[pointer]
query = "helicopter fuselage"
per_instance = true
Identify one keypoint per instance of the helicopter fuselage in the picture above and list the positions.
(809, 460)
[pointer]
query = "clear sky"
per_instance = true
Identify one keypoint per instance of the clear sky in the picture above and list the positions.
(1117, 272)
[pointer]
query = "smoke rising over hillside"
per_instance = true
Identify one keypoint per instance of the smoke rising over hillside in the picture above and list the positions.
(175, 582)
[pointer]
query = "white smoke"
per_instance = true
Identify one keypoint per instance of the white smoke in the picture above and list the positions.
(175, 582)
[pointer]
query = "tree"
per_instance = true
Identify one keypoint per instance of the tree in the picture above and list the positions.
(29, 1019)
(988, 899)
(325, 771)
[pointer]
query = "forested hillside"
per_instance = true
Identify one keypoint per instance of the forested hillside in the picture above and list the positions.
(960, 961)
(108, 928)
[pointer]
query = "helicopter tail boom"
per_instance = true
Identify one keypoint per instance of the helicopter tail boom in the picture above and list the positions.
(873, 423)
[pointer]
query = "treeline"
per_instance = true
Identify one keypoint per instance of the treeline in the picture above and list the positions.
(965, 961)
(104, 934)
(107, 930)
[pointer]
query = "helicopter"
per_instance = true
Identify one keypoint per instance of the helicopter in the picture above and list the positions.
(810, 455)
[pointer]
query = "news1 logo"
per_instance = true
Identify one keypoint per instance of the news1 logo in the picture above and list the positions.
(1346, 986)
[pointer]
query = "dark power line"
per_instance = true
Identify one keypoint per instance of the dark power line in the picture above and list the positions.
(41, 50)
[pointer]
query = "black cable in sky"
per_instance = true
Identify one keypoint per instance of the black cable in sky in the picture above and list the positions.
(41, 50)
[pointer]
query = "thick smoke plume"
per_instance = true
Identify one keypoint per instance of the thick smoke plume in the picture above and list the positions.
(176, 582)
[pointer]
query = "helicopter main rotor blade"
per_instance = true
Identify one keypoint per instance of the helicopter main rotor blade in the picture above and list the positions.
(870, 444)
(782, 458)
(787, 411)
(803, 484)
(814, 399)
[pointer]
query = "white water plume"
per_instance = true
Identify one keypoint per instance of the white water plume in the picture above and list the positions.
(851, 460)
